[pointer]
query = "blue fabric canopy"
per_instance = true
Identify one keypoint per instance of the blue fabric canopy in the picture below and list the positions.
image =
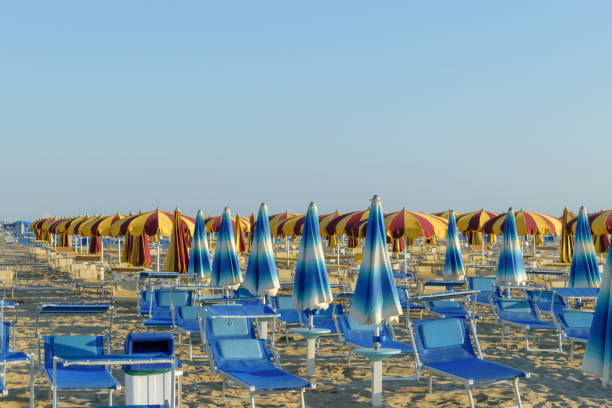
(375, 299)
(453, 263)
(199, 257)
(585, 271)
(510, 269)
(261, 275)
(226, 265)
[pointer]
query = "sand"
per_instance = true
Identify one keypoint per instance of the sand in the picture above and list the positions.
(555, 382)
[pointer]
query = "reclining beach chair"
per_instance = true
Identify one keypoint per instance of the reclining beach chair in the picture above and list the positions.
(248, 363)
(522, 313)
(288, 315)
(358, 335)
(188, 322)
(10, 357)
(445, 349)
(403, 293)
(575, 326)
(546, 301)
(163, 304)
(486, 288)
(124, 289)
(8, 277)
(76, 377)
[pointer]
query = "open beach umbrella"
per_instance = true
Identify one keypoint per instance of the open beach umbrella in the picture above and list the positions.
(101, 226)
(600, 223)
(278, 218)
(375, 299)
(510, 269)
(214, 223)
(453, 262)
(446, 214)
(473, 221)
(199, 257)
(226, 266)
(527, 223)
(584, 272)
(566, 245)
(158, 222)
(602, 243)
(311, 290)
(598, 353)
(241, 244)
(177, 259)
(411, 224)
(261, 277)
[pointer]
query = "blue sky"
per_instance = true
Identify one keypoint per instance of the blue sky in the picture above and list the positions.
(128, 105)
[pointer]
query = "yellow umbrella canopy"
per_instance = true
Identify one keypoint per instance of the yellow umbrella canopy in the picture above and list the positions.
(120, 227)
(239, 234)
(157, 222)
(59, 226)
(177, 259)
(212, 224)
(411, 224)
(446, 214)
(101, 226)
(278, 218)
(566, 246)
(48, 222)
(73, 228)
(474, 221)
(527, 223)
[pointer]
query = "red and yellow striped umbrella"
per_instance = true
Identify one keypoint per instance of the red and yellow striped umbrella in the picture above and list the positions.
(241, 244)
(412, 225)
(120, 226)
(527, 223)
(446, 214)
(100, 227)
(344, 224)
(474, 220)
(54, 227)
(73, 228)
(177, 259)
(292, 227)
(48, 222)
(601, 223)
(278, 218)
(157, 222)
(213, 223)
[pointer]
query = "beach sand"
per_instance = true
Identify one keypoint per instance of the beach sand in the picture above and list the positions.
(555, 381)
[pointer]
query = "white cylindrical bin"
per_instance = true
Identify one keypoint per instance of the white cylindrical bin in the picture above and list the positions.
(148, 389)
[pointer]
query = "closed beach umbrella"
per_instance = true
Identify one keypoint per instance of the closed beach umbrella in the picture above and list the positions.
(126, 254)
(261, 277)
(199, 257)
(584, 272)
(241, 245)
(510, 269)
(598, 354)
(375, 299)
(453, 263)
(251, 229)
(566, 246)
(311, 290)
(177, 259)
(602, 243)
(95, 245)
(226, 266)
(141, 253)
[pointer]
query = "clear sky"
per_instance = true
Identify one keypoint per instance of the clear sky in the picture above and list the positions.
(128, 105)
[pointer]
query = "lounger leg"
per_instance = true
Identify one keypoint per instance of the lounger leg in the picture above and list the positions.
(571, 353)
(110, 397)
(302, 403)
(180, 339)
(526, 340)
(190, 349)
(252, 398)
(518, 394)
(377, 383)
(470, 398)
(430, 384)
(32, 380)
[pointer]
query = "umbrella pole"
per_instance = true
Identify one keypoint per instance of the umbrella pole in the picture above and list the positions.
(87, 242)
(405, 256)
(118, 249)
(482, 249)
(158, 244)
(376, 373)
(102, 249)
(338, 251)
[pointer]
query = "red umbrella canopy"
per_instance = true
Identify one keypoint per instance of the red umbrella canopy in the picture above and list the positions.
(413, 224)
(600, 222)
(474, 220)
(345, 223)
(527, 223)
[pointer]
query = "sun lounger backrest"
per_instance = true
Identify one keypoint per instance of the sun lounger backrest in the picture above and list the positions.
(355, 332)
(241, 354)
(515, 308)
(229, 327)
(246, 349)
(576, 319)
(283, 303)
(483, 284)
(443, 339)
(447, 304)
(166, 298)
(544, 299)
(72, 346)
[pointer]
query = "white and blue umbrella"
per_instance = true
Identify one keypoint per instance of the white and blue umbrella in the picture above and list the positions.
(453, 263)
(311, 290)
(261, 275)
(510, 269)
(199, 255)
(375, 299)
(585, 271)
(598, 354)
(226, 265)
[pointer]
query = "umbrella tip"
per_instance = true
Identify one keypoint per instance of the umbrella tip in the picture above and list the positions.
(375, 197)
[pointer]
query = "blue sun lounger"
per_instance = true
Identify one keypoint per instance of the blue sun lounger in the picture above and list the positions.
(445, 349)
(287, 314)
(164, 302)
(96, 362)
(486, 291)
(188, 322)
(359, 335)
(9, 357)
(575, 326)
(250, 364)
(523, 313)
(76, 377)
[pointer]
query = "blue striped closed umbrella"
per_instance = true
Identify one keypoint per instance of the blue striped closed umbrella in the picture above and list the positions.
(261, 275)
(311, 290)
(199, 255)
(226, 265)
(585, 271)
(598, 354)
(453, 263)
(375, 299)
(510, 269)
